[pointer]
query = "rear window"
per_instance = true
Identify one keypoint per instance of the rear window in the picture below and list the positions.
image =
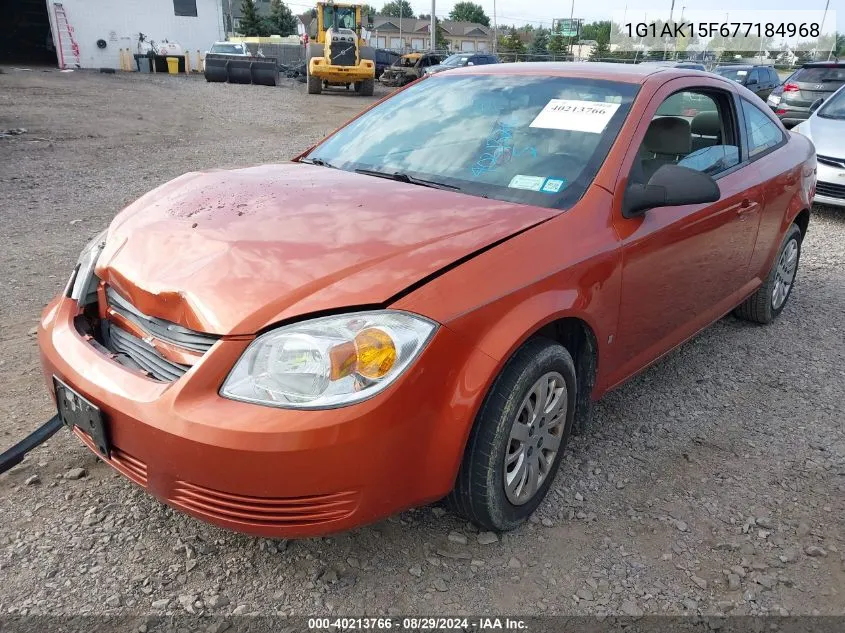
(820, 75)
(520, 138)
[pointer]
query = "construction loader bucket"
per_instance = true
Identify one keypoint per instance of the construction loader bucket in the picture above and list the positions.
(237, 69)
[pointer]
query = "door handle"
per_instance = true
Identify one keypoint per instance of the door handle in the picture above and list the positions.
(746, 208)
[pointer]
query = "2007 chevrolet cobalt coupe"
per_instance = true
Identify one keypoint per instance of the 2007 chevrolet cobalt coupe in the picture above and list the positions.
(424, 304)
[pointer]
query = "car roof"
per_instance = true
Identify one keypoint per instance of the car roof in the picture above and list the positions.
(739, 66)
(628, 73)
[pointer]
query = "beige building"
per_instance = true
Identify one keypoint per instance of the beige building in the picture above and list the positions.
(409, 34)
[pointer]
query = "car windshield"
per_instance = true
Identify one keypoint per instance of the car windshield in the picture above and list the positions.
(229, 49)
(455, 60)
(736, 74)
(821, 74)
(406, 62)
(519, 138)
(834, 107)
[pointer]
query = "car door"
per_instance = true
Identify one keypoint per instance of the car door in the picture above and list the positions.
(752, 81)
(684, 266)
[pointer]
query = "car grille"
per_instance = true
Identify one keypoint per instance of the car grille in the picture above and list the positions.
(141, 352)
(343, 53)
(830, 190)
(138, 354)
(261, 511)
(830, 160)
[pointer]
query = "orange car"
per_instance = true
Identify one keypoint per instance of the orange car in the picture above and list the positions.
(424, 304)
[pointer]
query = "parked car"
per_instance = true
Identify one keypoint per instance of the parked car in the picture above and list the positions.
(760, 80)
(813, 81)
(826, 129)
(426, 303)
(686, 65)
(408, 68)
(462, 59)
(230, 48)
(773, 100)
(384, 58)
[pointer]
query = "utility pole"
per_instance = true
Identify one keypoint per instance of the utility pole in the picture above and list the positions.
(495, 31)
(821, 31)
(571, 16)
(401, 41)
(433, 29)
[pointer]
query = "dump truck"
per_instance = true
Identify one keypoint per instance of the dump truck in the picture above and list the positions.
(336, 52)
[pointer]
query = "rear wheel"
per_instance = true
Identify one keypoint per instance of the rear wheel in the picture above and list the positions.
(367, 87)
(517, 442)
(315, 86)
(770, 299)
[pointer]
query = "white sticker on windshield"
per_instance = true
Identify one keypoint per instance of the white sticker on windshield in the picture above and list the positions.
(529, 183)
(575, 115)
(742, 73)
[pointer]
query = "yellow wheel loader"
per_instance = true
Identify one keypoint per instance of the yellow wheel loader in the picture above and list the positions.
(336, 52)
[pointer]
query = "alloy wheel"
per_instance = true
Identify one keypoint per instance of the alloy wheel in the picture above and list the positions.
(535, 438)
(785, 273)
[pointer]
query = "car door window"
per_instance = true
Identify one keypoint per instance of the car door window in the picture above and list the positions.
(763, 133)
(694, 129)
(753, 78)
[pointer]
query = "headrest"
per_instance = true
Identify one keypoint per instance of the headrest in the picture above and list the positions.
(707, 124)
(668, 135)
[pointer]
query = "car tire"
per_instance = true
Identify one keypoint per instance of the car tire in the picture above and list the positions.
(490, 481)
(315, 86)
(770, 299)
(367, 87)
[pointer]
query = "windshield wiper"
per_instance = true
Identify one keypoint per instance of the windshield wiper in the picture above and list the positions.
(316, 161)
(412, 180)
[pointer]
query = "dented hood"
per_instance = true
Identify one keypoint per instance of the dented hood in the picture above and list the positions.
(231, 252)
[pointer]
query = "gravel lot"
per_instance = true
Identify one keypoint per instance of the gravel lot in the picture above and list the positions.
(712, 483)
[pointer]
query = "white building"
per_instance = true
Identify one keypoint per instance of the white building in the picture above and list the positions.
(91, 33)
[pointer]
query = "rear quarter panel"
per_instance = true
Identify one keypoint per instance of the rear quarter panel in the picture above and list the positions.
(790, 174)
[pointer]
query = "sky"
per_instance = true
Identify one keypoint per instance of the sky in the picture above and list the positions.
(541, 13)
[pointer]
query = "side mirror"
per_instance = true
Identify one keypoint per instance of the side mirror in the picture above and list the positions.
(671, 185)
(816, 104)
(751, 82)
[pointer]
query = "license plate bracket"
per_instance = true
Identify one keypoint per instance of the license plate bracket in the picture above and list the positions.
(76, 411)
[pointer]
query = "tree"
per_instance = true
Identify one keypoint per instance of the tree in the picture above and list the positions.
(469, 12)
(556, 45)
(397, 9)
(440, 41)
(251, 25)
(539, 48)
(367, 9)
(600, 51)
(281, 20)
(511, 46)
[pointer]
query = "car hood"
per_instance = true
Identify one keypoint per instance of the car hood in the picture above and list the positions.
(827, 135)
(232, 252)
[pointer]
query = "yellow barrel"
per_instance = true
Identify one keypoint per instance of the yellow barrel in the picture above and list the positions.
(173, 65)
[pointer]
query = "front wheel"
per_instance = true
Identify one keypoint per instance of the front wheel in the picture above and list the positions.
(367, 87)
(770, 299)
(518, 439)
(315, 86)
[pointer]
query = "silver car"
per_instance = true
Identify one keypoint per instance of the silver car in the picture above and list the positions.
(826, 129)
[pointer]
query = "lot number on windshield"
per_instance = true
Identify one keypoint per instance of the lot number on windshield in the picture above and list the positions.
(578, 116)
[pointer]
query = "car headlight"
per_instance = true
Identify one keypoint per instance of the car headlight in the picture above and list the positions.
(328, 362)
(84, 273)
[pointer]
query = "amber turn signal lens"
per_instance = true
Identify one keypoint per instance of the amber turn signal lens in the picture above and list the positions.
(343, 359)
(376, 353)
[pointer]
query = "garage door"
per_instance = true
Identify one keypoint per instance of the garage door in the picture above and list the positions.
(417, 43)
(396, 43)
(381, 42)
(467, 46)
